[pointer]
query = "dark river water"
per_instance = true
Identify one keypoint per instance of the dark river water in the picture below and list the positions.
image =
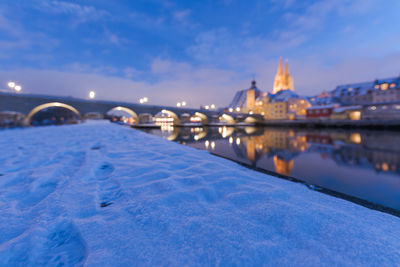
(362, 164)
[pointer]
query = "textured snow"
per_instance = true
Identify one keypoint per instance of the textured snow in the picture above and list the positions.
(99, 194)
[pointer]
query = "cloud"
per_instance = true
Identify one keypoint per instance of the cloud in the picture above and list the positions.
(177, 81)
(80, 13)
(15, 38)
(181, 15)
(131, 73)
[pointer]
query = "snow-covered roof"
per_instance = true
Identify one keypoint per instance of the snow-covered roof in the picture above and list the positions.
(388, 80)
(362, 88)
(239, 100)
(322, 106)
(351, 89)
(341, 109)
(283, 96)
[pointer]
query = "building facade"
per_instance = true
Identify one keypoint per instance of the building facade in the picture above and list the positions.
(320, 112)
(244, 100)
(276, 110)
(386, 91)
(378, 91)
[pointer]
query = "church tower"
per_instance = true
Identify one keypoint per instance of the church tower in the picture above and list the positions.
(283, 80)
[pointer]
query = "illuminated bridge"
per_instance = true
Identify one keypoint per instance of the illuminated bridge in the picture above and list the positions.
(29, 105)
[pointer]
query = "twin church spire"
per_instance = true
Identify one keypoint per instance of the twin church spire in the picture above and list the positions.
(283, 80)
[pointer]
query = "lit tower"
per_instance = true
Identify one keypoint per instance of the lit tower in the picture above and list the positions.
(283, 80)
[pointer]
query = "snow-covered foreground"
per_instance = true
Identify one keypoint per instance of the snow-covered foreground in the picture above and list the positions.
(99, 194)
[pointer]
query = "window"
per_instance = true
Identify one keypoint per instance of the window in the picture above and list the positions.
(384, 86)
(376, 86)
(392, 85)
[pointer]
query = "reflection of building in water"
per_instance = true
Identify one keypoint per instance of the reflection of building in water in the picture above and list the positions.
(281, 144)
(367, 150)
(282, 166)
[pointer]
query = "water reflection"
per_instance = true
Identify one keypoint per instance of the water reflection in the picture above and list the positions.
(364, 164)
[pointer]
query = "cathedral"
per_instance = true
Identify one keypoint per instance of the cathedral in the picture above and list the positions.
(283, 80)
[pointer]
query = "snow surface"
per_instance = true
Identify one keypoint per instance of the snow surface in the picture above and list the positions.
(99, 194)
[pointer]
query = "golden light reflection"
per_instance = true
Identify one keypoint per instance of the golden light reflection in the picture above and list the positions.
(207, 144)
(355, 138)
(227, 131)
(212, 145)
(237, 140)
(283, 167)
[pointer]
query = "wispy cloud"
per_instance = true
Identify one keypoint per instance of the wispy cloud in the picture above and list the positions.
(181, 15)
(80, 13)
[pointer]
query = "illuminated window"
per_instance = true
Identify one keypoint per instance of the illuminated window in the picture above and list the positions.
(393, 85)
(372, 108)
(376, 86)
(384, 86)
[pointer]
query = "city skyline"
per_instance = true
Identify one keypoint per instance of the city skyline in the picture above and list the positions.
(201, 53)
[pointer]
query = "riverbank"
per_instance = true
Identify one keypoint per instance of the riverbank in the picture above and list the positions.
(102, 194)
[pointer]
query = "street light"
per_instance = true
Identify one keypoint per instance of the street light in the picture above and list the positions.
(230, 109)
(11, 85)
(183, 103)
(212, 106)
(237, 109)
(15, 86)
(92, 94)
(144, 100)
(178, 104)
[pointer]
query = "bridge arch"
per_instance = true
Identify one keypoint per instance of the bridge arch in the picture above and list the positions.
(228, 118)
(203, 117)
(253, 119)
(48, 105)
(127, 110)
(175, 118)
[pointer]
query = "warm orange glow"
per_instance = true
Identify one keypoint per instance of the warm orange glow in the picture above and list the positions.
(384, 86)
(355, 138)
(385, 167)
(355, 115)
(283, 167)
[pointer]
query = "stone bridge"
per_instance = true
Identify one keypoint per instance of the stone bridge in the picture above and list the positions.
(29, 104)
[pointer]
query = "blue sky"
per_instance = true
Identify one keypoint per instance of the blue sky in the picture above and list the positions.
(198, 51)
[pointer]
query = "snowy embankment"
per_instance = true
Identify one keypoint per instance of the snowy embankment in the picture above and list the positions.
(99, 194)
